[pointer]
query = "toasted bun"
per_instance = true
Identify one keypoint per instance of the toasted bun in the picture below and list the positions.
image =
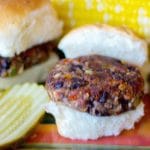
(79, 125)
(37, 73)
(104, 40)
(25, 23)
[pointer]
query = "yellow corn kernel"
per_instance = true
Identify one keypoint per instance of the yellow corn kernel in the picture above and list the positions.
(134, 14)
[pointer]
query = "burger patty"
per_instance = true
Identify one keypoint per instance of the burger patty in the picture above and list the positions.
(12, 66)
(98, 85)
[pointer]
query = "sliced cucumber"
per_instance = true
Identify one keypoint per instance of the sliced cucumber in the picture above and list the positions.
(20, 109)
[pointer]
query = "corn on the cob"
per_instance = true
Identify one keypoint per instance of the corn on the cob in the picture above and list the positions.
(135, 14)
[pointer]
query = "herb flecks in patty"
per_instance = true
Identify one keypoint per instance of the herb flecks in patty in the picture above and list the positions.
(98, 85)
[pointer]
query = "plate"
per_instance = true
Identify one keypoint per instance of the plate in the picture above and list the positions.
(45, 136)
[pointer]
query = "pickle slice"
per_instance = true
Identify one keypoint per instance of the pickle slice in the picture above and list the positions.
(21, 107)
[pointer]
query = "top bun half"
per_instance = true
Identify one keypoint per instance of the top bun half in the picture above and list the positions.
(107, 41)
(26, 23)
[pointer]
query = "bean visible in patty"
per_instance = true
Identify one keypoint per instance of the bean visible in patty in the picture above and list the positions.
(95, 84)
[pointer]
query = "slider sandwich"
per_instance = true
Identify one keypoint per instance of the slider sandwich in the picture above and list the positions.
(28, 29)
(98, 89)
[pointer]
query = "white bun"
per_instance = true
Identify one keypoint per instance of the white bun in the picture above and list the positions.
(26, 23)
(79, 125)
(37, 73)
(104, 40)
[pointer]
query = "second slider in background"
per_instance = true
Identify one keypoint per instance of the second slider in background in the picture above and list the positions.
(27, 48)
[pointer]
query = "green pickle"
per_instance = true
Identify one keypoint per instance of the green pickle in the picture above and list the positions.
(21, 108)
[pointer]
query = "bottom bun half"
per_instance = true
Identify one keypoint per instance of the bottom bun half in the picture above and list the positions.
(74, 124)
(37, 73)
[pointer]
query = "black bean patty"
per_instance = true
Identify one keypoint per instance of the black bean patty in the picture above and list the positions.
(98, 85)
(12, 66)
